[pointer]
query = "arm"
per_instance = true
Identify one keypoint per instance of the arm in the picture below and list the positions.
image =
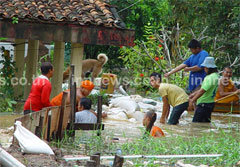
(166, 108)
(193, 69)
(221, 90)
(45, 95)
(198, 94)
(178, 68)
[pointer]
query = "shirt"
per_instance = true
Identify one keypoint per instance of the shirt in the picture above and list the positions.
(175, 94)
(210, 85)
(196, 78)
(57, 100)
(85, 116)
(39, 94)
(228, 87)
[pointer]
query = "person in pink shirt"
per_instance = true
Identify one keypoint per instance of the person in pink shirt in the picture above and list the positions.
(40, 90)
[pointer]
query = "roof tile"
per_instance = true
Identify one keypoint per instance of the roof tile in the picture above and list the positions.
(82, 12)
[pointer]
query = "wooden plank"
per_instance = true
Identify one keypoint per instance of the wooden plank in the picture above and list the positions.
(91, 163)
(55, 114)
(99, 113)
(80, 126)
(49, 128)
(226, 108)
(38, 131)
(95, 35)
(60, 121)
(118, 161)
(72, 101)
(95, 158)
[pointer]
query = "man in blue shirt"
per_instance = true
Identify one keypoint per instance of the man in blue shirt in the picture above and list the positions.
(193, 64)
(85, 115)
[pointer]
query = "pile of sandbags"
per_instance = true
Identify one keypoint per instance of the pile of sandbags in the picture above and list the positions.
(131, 108)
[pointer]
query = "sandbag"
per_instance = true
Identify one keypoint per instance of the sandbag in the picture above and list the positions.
(138, 116)
(29, 142)
(8, 160)
(119, 116)
(146, 107)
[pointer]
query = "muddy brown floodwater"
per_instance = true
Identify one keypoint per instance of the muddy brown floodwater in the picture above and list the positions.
(184, 128)
(129, 130)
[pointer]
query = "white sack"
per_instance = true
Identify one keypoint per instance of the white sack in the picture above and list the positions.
(146, 107)
(29, 142)
(8, 160)
(128, 105)
(119, 116)
(116, 100)
(138, 116)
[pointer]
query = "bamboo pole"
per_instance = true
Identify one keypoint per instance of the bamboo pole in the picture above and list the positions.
(225, 97)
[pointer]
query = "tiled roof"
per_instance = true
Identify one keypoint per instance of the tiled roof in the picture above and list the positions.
(81, 12)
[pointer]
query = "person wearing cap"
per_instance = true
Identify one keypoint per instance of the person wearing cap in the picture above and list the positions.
(40, 91)
(193, 64)
(226, 87)
(83, 91)
(204, 97)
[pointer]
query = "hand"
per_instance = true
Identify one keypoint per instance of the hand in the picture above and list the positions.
(191, 106)
(167, 74)
(186, 69)
(162, 120)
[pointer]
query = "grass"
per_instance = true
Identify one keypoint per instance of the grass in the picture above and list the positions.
(88, 143)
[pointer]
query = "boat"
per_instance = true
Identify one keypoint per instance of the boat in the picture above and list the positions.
(227, 108)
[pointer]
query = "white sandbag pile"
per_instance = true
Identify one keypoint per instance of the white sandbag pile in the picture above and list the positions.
(131, 108)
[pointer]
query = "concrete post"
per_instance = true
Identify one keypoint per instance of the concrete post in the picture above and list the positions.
(76, 59)
(19, 59)
(31, 65)
(58, 65)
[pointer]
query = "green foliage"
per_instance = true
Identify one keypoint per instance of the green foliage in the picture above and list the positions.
(142, 13)
(14, 20)
(7, 73)
(6, 88)
(6, 104)
(94, 98)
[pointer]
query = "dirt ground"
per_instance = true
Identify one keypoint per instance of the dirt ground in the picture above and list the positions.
(39, 160)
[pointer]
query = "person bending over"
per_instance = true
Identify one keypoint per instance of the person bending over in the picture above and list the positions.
(171, 95)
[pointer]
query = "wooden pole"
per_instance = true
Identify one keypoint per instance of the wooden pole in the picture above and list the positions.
(91, 163)
(225, 97)
(99, 113)
(95, 158)
(72, 101)
(60, 123)
(118, 161)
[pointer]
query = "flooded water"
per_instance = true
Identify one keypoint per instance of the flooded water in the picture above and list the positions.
(6, 128)
(130, 130)
(227, 122)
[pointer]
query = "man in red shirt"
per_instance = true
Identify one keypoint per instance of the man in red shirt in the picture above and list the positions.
(40, 91)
